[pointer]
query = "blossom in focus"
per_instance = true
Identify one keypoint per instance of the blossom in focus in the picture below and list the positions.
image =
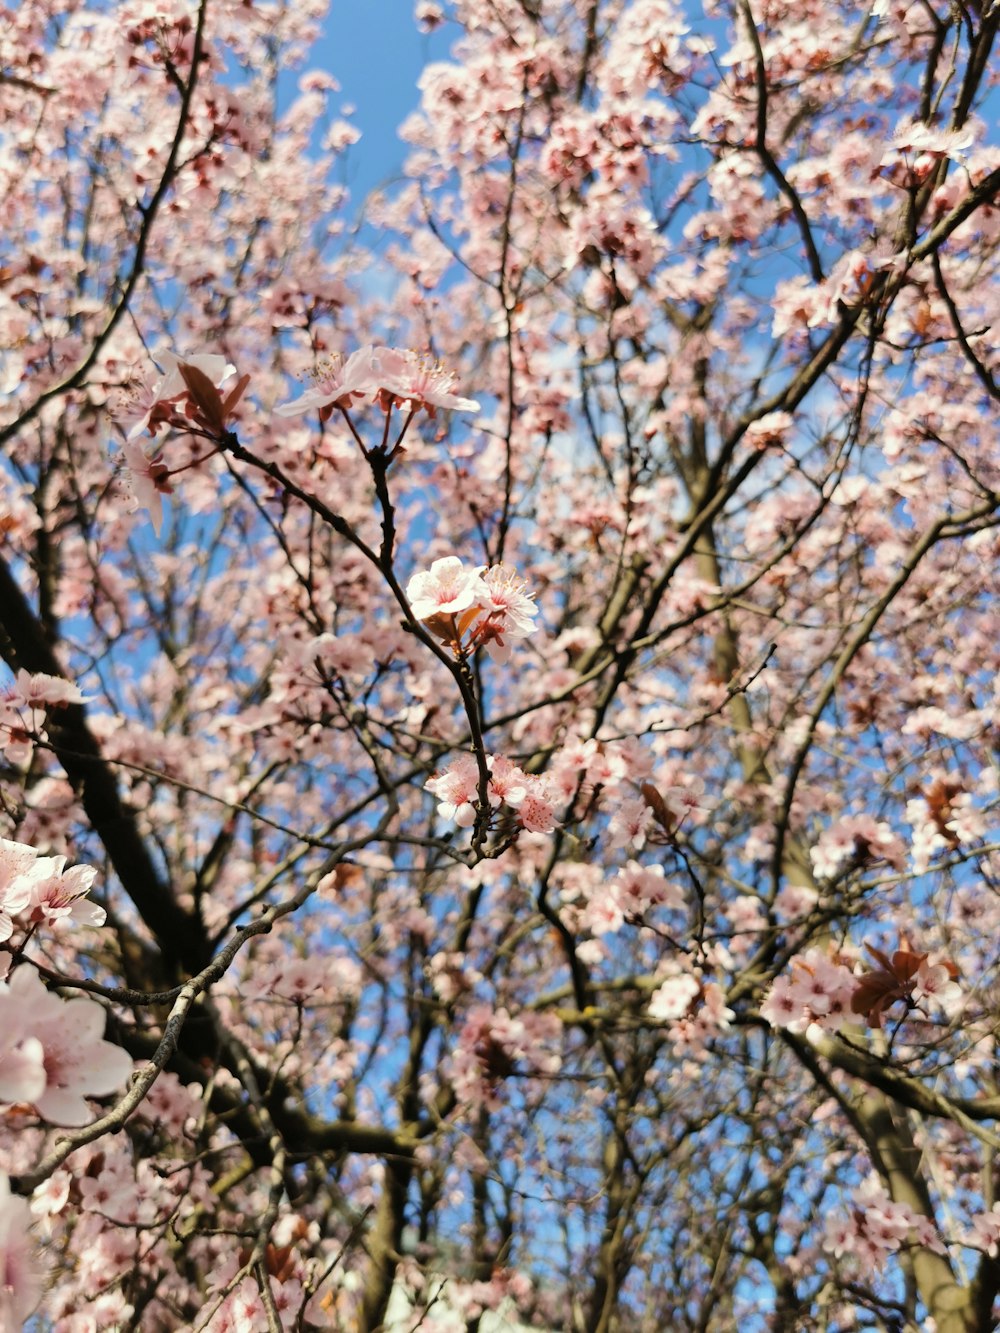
(77, 1061)
(492, 607)
(36, 889)
(39, 691)
(151, 406)
(508, 612)
(21, 1272)
(59, 896)
(419, 381)
(820, 990)
(457, 790)
(389, 375)
(336, 383)
(527, 796)
(447, 589)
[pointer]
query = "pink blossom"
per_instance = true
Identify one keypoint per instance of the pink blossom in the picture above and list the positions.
(935, 987)
(769, 431)
(447, 589)
(984, 1233)
(153, 406)
(21, 1273)
(336, 383)
(22, 1059)
(536, 813)
(39, 690)
(78, 1061)
(58, 895)
(856, 836)
(457, 788)
(16, 863)
(147, 480)
(508, 784)
(819, 991)
(629, 822)
(509, 611)
(418, 381)
(392, 375)
(673, 997)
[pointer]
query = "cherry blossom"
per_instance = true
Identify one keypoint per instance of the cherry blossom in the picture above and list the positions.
(152, 406)
(514, 819)
(22, 1273)
(37, 690)
(17, 864)
(458, 790)
(147, 480)
(446, 589)
(337, 383)
(77, 1061)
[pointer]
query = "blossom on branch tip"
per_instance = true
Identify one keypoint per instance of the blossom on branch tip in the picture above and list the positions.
(508, 612)
(16, 865)
(37, 690)
(36, 889)
(388, 375)
(419, 381)
(447, 589)
(490, 606)
(336, 383)
(150, 407)
(526, 796)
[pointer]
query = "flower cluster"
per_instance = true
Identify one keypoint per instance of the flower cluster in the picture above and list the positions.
(628, 896)
(876, 1227)
(316, 980)
(468, 608)
(389, 376)
(859, 839)
(22, 710)
(186, 398)
(39, 890)
(527, 795)
(52, 1051)
(907, 976)
(820, 990)
(494, 1045)
(984, 1233)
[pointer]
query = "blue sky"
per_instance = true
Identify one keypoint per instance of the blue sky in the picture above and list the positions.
(376, 52)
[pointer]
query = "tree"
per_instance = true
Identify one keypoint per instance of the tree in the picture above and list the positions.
(534, 792)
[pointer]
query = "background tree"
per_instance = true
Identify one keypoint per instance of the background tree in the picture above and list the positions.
(541, 815)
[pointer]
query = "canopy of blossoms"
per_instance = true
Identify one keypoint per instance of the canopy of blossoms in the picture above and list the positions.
(498, 705)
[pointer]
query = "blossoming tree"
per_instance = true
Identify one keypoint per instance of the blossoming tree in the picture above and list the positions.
(505, 825)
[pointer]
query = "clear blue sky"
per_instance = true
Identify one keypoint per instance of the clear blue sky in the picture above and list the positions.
(375, 51)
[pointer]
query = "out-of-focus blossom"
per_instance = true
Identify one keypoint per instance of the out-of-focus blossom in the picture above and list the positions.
(21, 1273)
(147, 479)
